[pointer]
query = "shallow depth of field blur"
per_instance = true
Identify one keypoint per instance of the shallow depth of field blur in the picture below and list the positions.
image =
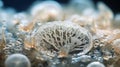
(59, 33)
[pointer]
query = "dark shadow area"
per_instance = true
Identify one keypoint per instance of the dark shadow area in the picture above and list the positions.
(21, 5)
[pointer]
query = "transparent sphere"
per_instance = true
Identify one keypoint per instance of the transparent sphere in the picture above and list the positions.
(95, 64)
(17, 60)
(47, 11)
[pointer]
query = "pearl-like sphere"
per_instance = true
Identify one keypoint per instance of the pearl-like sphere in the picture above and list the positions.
(95, 64)
(17, 60)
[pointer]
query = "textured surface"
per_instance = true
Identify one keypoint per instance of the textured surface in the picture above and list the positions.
(63, 38)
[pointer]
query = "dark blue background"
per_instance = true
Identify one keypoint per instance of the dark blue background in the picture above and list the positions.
(21, 5)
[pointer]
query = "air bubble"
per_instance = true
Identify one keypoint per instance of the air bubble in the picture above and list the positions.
(17, 60)
(95, 64)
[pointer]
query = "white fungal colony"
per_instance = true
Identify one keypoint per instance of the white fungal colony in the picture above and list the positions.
(63, 38)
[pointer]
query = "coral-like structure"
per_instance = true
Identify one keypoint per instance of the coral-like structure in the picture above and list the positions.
(51, 35)
(63, 38)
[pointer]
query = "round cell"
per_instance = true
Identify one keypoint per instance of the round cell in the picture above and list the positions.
(17, 60)
(95, 64)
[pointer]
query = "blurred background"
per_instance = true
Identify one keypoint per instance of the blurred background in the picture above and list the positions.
(21, 5)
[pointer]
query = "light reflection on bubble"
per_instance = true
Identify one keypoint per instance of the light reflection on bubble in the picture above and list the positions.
(17, 60)
(95, 64)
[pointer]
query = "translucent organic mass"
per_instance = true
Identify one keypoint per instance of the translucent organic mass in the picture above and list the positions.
(17, 60)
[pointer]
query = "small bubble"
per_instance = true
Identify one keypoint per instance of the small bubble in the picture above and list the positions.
(95, 64)
(17, 60)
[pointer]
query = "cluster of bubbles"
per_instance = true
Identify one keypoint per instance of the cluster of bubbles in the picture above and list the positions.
(53, 35)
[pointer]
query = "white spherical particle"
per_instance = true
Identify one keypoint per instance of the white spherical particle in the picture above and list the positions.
(95, 64)
(17, 60)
